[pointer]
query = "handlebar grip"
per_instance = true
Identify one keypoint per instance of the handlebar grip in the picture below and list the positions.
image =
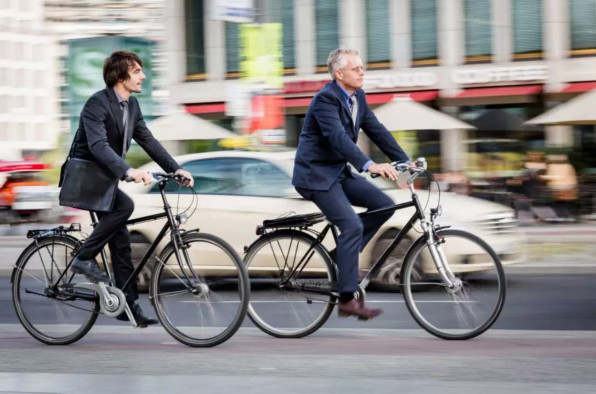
(128, 179)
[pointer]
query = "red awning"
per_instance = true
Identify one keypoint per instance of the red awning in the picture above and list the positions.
(382, 98)
(206, 108)
(577, 87)
(371, 98)
(497, 91)
(293, 102)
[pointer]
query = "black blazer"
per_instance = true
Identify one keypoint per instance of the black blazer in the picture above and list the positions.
(100, 136)
(328, 139)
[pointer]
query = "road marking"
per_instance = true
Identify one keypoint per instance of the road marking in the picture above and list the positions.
(369, 301)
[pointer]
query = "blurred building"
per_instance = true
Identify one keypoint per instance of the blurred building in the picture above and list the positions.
(90, 18)
(69, 20)
(465, 57)
(28, 77)
(34, 96)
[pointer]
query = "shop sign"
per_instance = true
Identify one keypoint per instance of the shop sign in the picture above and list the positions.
(466, 76)
(400, 80)
(238, 11)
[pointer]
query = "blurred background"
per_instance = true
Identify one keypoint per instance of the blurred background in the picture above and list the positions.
(240, 74)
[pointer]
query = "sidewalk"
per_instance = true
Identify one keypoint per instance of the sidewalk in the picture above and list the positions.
(121, 359)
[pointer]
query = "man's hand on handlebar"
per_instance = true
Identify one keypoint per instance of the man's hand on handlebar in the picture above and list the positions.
(186, 180)
(386, 170)
(139, 176)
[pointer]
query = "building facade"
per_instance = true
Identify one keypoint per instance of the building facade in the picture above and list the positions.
(463, 57)
(34, 102)
(28, 98)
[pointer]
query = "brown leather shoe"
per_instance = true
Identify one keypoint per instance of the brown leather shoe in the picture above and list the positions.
(356, 308)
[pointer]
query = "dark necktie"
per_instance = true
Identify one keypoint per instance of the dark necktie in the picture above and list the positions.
(354, 110)
(124, 106)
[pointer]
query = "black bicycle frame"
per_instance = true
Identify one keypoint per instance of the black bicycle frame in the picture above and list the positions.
(170, 224)
(418, 215)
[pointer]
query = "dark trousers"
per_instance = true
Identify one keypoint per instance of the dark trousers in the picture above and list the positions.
(111, 229)
(336, 204)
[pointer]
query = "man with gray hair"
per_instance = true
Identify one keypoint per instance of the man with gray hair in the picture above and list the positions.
(326, 146)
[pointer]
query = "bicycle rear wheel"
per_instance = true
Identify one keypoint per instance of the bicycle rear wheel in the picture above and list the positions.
(46, 303)
(473, 305)
(286, 301)
(202, 303)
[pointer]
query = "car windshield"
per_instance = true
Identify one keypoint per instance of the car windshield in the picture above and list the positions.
(236, 176)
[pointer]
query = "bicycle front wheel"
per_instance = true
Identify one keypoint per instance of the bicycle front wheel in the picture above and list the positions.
(202, 301)
(47, 304)
(473, 304)
(291, 284)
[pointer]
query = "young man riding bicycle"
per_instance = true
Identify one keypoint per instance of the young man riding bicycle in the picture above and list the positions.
(109, 120)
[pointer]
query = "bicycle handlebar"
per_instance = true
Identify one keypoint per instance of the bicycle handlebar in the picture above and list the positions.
(160, 176)
(421, 166)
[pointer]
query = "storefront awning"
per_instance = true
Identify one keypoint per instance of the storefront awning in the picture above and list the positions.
(499, 91)
(371, 98)
(578, 87)
(296, 102)
(206, 108)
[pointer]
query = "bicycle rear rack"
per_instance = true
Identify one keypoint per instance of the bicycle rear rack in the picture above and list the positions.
(299, 221)
(60, 230)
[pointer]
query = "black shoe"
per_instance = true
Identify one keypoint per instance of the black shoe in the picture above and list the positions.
(137, 312)
(90, 269)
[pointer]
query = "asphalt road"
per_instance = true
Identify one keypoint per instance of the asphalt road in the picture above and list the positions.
(534, 302)
(544, 341)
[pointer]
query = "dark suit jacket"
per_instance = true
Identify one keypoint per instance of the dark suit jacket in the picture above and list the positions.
(100, 135)
(328, 139)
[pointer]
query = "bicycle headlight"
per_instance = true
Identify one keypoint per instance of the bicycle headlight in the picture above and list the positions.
(182, 218)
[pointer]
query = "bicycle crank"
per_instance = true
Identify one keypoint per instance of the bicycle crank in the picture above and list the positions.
(112, 300)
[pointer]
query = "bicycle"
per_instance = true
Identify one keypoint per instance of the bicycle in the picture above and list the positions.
(194, 302)
(452, 281)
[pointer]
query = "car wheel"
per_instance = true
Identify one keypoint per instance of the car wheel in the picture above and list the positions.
(139, 245)
(388, 277)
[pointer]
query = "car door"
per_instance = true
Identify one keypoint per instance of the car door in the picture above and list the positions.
(234, 195)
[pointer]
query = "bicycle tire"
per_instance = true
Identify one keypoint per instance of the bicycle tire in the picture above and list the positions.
(460, 313)
(51, 314)
(289, 313)
(204, 312)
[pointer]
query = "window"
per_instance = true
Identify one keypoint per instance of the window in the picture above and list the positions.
(424, 32)
(378, 34)
(195, 39)
(327, 30)
(283, 12)
(478, 30)
(582, 18)
(234, 176)
(232, 52)
(527, 29)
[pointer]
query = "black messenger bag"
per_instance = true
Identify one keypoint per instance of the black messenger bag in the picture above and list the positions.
(87, 185)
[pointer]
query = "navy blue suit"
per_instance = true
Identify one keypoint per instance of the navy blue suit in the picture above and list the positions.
(321, 173)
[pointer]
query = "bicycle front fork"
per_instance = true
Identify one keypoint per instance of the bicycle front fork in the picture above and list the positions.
(434, 245)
